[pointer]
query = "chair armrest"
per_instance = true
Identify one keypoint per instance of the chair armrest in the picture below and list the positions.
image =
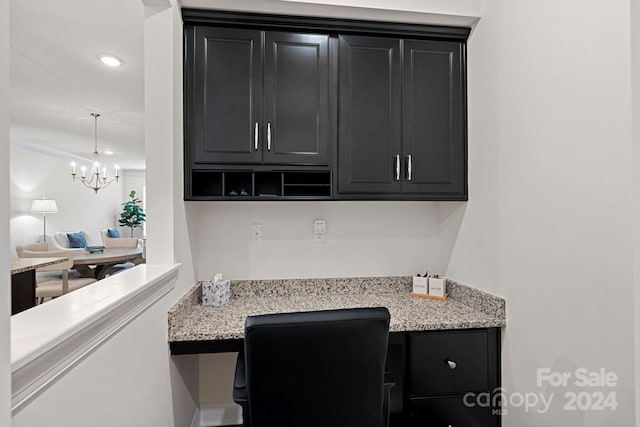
(239, 381)
(389, 380)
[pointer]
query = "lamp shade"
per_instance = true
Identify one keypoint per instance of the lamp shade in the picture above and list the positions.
(44, 206)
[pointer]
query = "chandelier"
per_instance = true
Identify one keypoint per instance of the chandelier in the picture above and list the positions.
(97, 179)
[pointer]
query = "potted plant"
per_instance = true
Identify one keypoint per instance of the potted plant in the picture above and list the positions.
(132, 215)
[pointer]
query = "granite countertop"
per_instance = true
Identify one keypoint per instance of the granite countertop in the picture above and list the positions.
(465, 308)
(20, 265)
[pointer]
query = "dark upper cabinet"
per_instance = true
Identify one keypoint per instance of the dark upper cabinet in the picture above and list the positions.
(226, 95)
(336, 109)
(433, 118)
(402, 115)
(369, 115)
(259, 97)
(296, 101)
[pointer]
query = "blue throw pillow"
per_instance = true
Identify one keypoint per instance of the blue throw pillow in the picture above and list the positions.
(113, 233)
(77, 240)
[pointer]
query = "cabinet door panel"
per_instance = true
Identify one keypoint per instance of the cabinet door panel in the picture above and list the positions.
(369, 114)
(227, 93)
(296, 98)
(434, 117)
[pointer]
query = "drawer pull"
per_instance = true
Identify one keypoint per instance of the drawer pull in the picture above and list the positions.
(452, 364)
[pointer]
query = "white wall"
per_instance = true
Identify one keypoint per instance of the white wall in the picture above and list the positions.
(635, 76)
(35, 175)
(129, 381)
(438, 12)
(550, 103)
(363, 239)
(5, 290)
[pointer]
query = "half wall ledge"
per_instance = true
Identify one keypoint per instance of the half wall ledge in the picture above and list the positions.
(51, 338)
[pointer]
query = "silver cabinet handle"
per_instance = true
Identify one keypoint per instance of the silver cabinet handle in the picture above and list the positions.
(396, 160)
(452, 364)
(269, 136)
(408, 159)
(255, 137)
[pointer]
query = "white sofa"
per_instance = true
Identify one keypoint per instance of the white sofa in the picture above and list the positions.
(58, 240)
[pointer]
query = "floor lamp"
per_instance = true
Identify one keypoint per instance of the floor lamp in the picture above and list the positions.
(44, 206)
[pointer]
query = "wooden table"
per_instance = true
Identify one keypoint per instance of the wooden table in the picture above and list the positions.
(104, 261)
(23, 281)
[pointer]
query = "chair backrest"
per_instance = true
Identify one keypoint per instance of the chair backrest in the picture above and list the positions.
(42, 246)
(121, 242)
(51, 254)
(317, 369)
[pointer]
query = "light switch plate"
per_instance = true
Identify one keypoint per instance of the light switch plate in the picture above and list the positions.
(255, 233)
(319, 231)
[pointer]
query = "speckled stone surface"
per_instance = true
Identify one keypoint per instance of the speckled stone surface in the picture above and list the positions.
(465, 308)
(20, 265)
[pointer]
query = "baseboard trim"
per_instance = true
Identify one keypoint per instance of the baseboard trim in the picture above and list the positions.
(195, 421)
(220, 414)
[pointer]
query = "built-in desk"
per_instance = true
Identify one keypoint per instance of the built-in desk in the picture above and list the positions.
(438, 350)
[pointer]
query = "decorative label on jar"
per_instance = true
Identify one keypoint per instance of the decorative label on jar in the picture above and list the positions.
(437, 286)
(420, 285)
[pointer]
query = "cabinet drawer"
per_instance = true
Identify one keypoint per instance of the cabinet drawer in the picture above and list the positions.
(449, 362)
(448, 412)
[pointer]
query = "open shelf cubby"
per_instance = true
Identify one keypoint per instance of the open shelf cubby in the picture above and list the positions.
(268, 184)
(259, 185)
(206, 184)
(307, 184)
(238, 184)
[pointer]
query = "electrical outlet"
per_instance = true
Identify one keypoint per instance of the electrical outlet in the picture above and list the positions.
(319, 231)
(255, 233)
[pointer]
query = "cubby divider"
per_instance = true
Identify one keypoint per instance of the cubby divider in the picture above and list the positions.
(260, 185)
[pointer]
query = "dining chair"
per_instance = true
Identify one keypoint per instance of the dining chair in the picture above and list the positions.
(124, 242)
(121, 242)
(52, 287)
(315, 369)
(39, 247)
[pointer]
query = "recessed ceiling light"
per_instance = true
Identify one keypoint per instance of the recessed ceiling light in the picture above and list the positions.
(110, 60)
(108, 152)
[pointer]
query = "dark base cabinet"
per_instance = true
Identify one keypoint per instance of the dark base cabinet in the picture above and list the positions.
(23, 291)
(447, 412)
(448, 370)
(429, 391)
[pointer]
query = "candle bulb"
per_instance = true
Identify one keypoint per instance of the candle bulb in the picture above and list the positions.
(117, 169)
(84, 172)
(73, 168)
(104, 172)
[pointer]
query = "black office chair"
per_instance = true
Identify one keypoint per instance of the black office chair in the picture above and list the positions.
(315, 369)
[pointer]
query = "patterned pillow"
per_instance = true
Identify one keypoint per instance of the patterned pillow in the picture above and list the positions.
(113, 233)
(77, 240)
